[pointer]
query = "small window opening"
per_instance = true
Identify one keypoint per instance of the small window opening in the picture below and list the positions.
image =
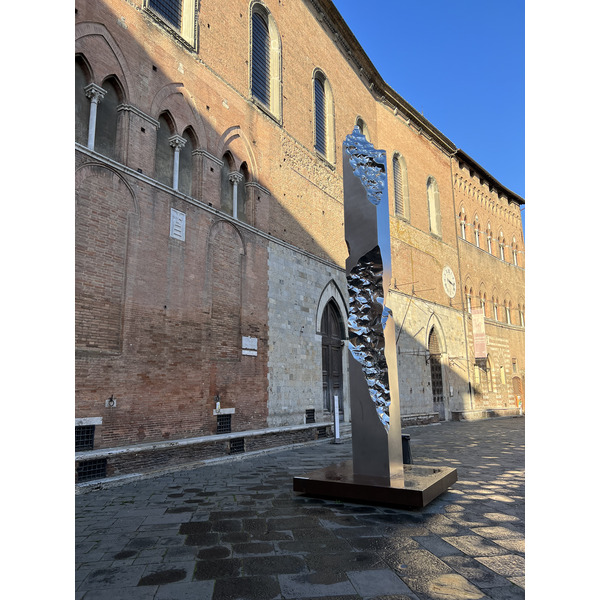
(224, 423)
(237, 446)
(84, 437)
(91, 469)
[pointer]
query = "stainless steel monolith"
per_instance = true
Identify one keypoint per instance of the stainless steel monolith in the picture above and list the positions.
(376, 427)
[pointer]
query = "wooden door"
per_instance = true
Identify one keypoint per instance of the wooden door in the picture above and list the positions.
(332, 348)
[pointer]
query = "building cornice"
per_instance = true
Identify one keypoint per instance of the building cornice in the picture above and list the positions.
(462, 157)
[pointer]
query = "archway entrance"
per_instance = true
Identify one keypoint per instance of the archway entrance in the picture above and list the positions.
(435, 364)
(332, 347)
(518, 393)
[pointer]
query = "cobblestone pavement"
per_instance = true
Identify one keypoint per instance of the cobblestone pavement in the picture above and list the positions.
(236, 530)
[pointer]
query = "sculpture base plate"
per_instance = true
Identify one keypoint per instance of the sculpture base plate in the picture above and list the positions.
(418, 488)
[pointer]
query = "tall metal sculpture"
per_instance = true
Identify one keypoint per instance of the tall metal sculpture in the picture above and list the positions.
(376, 430)
(376, 472)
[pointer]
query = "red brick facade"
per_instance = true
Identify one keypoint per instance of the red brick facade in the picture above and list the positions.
(161, 318)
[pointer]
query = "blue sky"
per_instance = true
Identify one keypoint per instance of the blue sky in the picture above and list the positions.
(462, 64)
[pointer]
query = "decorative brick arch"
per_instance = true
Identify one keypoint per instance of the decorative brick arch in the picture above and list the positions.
(234, 141)
(175, 99)
(106, 223)
(225, 273)
(87, 36)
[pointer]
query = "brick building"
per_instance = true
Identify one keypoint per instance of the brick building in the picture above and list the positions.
(210, 282)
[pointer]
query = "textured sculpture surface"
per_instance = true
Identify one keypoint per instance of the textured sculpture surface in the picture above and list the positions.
(373, 369)
(368, 313)
(366, 324)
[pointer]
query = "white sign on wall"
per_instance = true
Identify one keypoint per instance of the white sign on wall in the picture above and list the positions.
(249, 346)
(177, 225)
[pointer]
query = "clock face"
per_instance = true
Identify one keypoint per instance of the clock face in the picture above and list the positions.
(449, 282)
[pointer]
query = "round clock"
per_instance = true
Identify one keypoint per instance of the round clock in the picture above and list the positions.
(449, 282)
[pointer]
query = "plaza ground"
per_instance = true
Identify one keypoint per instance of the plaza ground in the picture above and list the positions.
(235, 529)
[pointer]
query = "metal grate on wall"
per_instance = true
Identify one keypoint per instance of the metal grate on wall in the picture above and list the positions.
(223, 423)
(236, 446)
(310, 415)
(84, 437)
(91, 469)
(321, 432)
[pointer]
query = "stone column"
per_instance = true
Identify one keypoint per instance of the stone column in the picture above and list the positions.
(235, 177)
(178, 143)
(95, 93)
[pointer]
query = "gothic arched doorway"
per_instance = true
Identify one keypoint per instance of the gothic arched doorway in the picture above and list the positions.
(332, 348)
(435, 364)
(518, 393)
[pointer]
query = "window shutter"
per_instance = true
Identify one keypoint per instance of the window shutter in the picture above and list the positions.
(398, 188)
(261, 69)
(169, 9)
(320, 132)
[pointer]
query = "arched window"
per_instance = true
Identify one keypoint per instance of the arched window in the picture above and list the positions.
(179, 15)
(261, 58)
(400, 186)
(186, 166)
(489, 238)
(233, 189)
(463, 224)
(265, 54)
(243, 205)
(477, 231)
(495, 309)
(163, 156)
(521, 316)
(226, 187)
(320, 117)
(433, 202)
(82, 103)
(501, 246)
(468, 294)
(507, 308)
(435, 362)
(107, 119)
(323, 116)
(362, 126)
(515, 252)
(170, 10)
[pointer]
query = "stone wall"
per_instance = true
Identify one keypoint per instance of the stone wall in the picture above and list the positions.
(298, 287)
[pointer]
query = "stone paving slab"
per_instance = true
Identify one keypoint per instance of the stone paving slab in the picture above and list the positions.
(235, 530)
